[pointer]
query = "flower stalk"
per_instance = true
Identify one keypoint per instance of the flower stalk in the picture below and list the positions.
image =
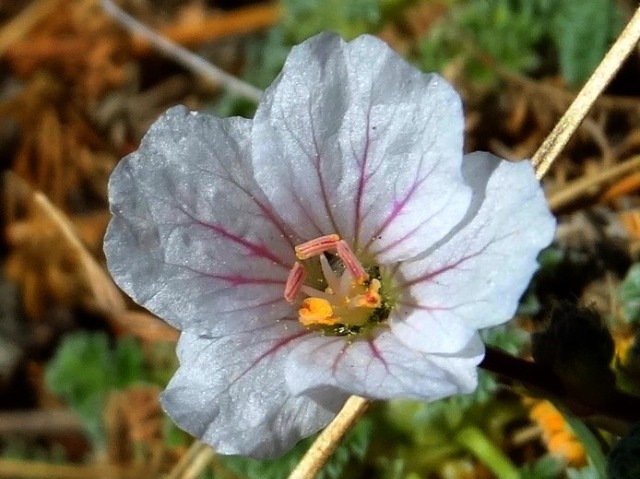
(329, 439)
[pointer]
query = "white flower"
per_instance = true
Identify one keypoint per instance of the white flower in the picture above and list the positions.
(338, 243)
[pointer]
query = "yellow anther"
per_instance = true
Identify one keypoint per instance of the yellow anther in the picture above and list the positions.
(316, 312)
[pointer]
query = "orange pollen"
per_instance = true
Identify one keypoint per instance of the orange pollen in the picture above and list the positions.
(316, 311)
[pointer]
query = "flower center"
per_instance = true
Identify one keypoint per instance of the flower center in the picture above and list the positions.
(343, 296)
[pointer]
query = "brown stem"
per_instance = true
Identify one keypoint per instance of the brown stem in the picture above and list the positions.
(539, 380)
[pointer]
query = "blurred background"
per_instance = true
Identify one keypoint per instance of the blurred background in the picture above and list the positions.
(81, 366)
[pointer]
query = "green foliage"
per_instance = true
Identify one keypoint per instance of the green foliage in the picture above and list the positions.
(591, 443)
(506, 31)
(516, 34)
(22, 449)
(508, 337)
(629, 294)
(303, 19)
(581, 32)
(345, 460)
(86, 367)
(425, 436)
(546, 467)
(589, 472)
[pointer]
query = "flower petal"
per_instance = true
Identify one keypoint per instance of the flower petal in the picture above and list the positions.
(479, 271)
(351, 139)
(424, 331)
(382, 367)
(231, 393)
(192, 237)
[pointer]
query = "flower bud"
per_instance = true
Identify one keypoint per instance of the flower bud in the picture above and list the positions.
(578, 348)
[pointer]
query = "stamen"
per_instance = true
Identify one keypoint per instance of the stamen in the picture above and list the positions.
(295, 281)
(351, 262)
(316, 246)
(341, 298)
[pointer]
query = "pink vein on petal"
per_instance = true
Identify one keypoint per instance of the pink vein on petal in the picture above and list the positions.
(398, 206)
(449, 267)
(339, 356)
(280, 344)
(316, 161)
(268, 213)
(258, 250)
(321, 179)
(376, 353)
(272, 217)
(398, 241)
(362, 182)
(238, 280)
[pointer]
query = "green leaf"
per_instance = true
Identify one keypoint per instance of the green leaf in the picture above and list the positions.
(305, 18)
(506, 31)
(477, 442)
(587, 472)
(85, 368)
(128, 363)
(508, 337)
(582, 32)
(629, 294)
(597, 459)
(546, 467)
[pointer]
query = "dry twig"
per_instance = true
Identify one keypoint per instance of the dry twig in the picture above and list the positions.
(328, 440)
(567, 125)
(17, 469)
(184, 57)
(581, 186)
(240, 21)
(192, 462)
